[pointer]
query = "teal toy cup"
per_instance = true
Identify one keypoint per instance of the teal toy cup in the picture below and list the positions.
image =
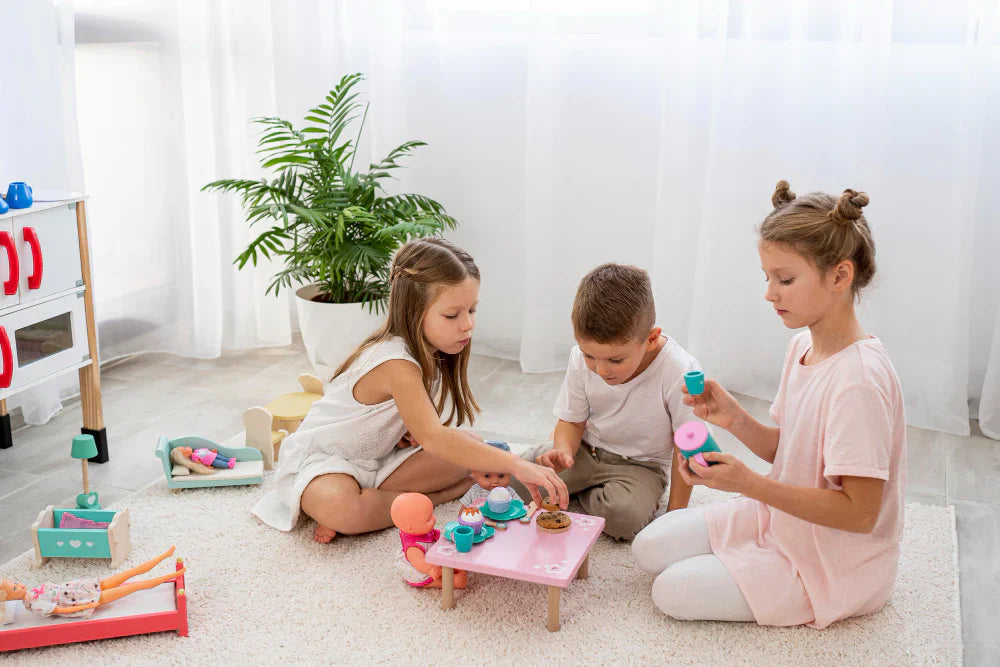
(695, 382)
(463, 538)
(693, 439)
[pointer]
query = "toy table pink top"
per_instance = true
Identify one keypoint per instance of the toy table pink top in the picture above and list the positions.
(522, 552)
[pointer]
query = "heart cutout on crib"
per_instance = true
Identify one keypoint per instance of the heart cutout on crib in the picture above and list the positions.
(90, 544)
(88, 501)
(75, 543)
(59, 544)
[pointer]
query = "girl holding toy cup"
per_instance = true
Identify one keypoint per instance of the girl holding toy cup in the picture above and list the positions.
(817, 539)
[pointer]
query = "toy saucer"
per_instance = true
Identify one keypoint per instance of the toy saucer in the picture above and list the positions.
(515, 511)
(485, 534)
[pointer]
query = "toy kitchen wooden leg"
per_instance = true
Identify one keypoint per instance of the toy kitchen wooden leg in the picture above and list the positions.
(90, 376)
(447, 588)
(6, 439)
(553, 619)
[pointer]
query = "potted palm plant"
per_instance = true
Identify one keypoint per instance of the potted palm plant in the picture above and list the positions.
(333, 226)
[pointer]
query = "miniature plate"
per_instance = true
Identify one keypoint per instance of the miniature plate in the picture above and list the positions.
(515, 511)
(485, 534)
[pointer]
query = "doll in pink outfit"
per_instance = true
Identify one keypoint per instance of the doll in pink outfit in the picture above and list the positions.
(817, 539)
(210, 457)
(413, 514)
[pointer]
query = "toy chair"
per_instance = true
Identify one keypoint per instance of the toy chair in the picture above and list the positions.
(267, 426)
(250, 464)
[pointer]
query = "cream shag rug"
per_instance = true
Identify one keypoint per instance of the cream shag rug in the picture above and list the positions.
(259, 596)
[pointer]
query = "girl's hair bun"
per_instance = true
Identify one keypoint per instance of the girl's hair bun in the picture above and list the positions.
(782, 194)
(849, 206)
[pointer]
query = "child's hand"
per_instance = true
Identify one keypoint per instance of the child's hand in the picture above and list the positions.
(728, 473)
(556, 459)
(716, 405)
(534, 476)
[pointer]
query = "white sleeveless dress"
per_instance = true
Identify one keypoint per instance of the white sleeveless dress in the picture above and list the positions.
(340, 435)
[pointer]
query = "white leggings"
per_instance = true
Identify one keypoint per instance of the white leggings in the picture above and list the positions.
(692, 584)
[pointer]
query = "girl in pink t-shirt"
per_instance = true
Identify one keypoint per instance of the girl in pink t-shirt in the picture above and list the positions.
(817, 539)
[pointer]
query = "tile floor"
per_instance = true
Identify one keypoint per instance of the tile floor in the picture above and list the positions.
(159, 394)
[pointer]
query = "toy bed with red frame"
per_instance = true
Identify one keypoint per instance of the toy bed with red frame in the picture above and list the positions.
(158, 609)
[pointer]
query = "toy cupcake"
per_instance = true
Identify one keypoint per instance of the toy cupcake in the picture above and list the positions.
(473, 518)
(499, 500)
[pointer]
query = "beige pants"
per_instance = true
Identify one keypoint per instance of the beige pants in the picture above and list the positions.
(624, 491)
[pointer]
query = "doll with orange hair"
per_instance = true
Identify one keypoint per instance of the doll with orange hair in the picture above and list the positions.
(413, 514)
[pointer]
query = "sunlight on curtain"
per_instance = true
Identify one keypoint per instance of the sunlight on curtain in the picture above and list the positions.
(563, 135)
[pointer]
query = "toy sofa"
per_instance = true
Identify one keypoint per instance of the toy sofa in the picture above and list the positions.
(250, 464)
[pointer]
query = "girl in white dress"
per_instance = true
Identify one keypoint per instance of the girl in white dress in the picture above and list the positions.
(378, 431)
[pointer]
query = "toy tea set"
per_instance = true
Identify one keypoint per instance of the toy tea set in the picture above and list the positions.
(693, 438)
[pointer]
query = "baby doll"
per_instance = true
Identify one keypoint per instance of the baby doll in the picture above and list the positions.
(81, 597)
(487, 481)
(413, 514)
(211, 457)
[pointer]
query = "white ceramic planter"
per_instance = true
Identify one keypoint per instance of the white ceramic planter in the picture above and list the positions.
(331, 331)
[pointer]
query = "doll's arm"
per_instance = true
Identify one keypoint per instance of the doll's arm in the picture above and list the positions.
(79, 607)
(418, 560)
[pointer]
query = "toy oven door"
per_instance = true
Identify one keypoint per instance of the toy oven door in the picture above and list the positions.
(41, 340)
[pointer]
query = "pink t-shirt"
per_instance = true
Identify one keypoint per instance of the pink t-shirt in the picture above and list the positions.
(841, 416)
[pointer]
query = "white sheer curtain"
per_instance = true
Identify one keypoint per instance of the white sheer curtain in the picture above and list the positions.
(38, 134)
(566, 134)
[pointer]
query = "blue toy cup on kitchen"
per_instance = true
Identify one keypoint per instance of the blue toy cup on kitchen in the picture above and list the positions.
(463, 536)
(695, 382)
(3, 206)
(19, 195)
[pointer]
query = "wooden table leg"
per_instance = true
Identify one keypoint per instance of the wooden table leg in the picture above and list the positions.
(584, 570)
(553, 621)
(447, 588)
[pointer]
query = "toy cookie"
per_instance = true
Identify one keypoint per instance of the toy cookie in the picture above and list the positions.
(550, 505)
(553, 522)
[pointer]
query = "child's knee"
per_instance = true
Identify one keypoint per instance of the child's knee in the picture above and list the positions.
(669, 594)
(624, 521)
(646, 550)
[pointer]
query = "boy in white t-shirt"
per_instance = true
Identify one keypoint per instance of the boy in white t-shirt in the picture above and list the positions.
(620, 403)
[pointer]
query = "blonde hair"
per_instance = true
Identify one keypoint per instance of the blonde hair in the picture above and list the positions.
(824, 230)
(614, 304)
(419, 273)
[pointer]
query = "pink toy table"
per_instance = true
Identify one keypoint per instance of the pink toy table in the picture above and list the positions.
(523, 552)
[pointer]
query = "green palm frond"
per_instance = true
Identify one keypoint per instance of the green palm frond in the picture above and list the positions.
(329, 223)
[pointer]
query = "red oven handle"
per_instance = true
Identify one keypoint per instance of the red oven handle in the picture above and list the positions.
(8, 359)
(13, 266)
(31, 238)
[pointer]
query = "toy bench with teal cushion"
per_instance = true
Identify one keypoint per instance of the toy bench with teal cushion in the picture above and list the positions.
(249, 468)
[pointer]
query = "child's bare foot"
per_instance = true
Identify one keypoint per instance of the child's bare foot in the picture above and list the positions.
(323, 535)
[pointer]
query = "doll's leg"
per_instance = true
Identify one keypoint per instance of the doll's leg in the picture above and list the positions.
(117, 579)
(112, 594)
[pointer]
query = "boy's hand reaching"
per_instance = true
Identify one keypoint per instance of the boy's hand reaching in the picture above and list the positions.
(716, 405)
(556, 459)
(534, 476)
